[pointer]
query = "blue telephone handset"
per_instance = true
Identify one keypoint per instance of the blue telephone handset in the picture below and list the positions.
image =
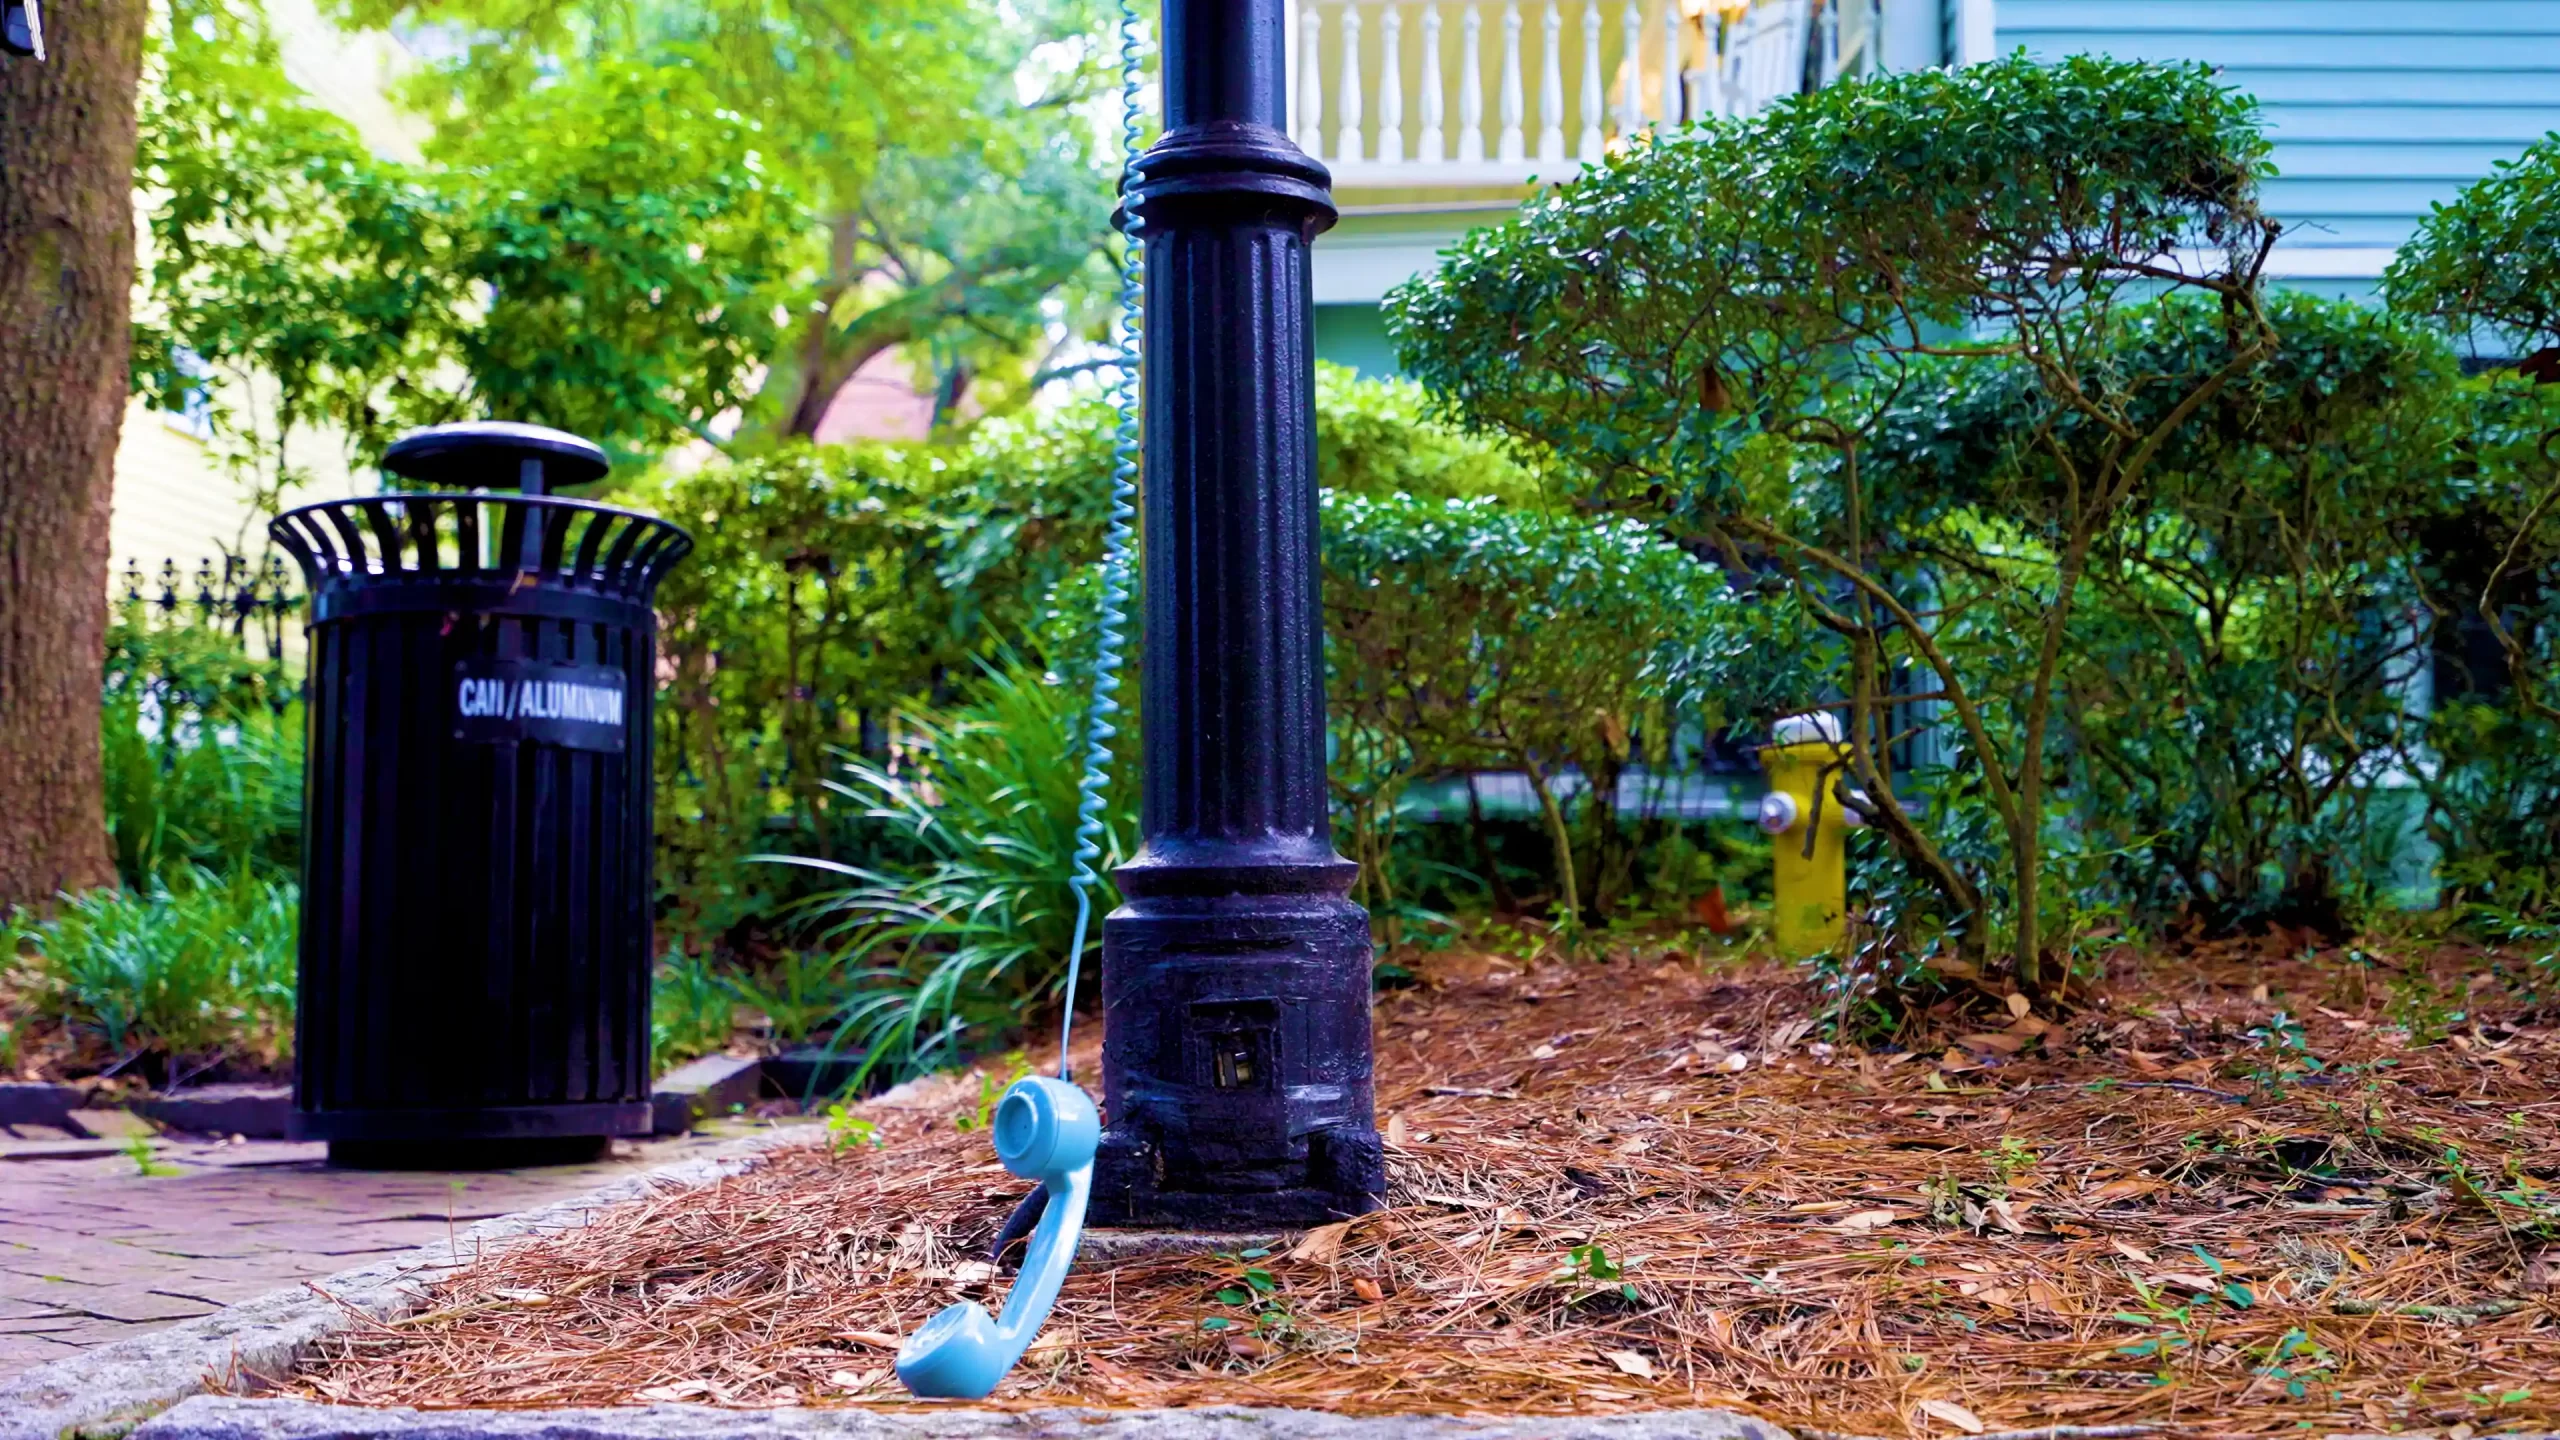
(1045, 1130)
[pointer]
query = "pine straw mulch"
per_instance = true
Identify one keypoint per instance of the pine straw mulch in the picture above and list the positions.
(2172, 1210)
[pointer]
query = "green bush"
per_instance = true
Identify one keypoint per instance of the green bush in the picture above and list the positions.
(194, 967)
(203, 751)
(2485, 267)
(2241, 665)
(1473, 635)
(831, 590)
(2488, 260)
(1712, 328)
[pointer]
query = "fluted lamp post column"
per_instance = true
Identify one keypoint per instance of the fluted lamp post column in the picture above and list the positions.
(1236, 1057)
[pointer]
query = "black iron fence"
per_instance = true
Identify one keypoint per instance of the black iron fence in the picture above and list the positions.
(256, 601)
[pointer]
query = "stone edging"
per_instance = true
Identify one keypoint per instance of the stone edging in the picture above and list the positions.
(102, 1392)
(219, 1418)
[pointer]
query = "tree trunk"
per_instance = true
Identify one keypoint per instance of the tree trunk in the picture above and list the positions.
(66, 284)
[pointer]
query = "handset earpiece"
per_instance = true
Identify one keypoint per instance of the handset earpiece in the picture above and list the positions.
(1045, 1130)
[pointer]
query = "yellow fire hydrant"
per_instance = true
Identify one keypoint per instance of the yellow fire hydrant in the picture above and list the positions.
(1812, 879)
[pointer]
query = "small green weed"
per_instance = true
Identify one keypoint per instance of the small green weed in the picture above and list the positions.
(1255, 1291)
(847, 1132)
(991, 1090)
(2423, 1008)
(2285, 1052)
(2296, 1362)
(1590, 1272)
(2013, 1158)
(138, 1150)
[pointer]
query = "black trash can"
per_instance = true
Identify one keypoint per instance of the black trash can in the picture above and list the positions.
(476, 874)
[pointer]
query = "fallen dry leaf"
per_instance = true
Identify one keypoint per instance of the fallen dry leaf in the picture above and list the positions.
(853, 1379)
(2201, 1284)
(1321, 1245)
(2019, 1005)
(1954, 1414)
(1868, 1220)
(1633, 1362)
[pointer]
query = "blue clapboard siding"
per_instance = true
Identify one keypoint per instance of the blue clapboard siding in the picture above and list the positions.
(2378, 107)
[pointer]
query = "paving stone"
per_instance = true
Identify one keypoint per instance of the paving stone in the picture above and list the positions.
(50, 1150)
(118, 1125)
(236, 1223)
(226, 1418)
(138, 1369)
(695, 1091)
(25, 1102)
(258, 1111)
(14, 1308)
(133, 1305)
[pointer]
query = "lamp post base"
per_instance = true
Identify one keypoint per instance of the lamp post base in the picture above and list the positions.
(1236, 1047)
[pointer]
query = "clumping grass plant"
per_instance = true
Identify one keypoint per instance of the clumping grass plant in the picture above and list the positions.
(949, 954)
(690, 1003)
(195, 967)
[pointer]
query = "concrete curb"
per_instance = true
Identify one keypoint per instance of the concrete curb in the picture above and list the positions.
(215, 1418)
(103, 1392)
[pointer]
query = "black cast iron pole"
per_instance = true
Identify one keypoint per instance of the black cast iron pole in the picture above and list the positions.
(1235, 1060)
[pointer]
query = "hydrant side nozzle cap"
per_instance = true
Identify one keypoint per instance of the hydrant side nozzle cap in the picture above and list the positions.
(1820, 726)
(489, 454)
(1777, 814)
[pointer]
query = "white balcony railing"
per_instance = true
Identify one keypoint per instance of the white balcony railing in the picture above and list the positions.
(1394, 93)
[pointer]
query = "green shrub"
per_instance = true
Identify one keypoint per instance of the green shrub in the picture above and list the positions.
(195, 966)
(1711, 328)
(2240, 668)
(2488, 260)
(2485, 266)
(1473, 635)
(203, 751)
(831, 590)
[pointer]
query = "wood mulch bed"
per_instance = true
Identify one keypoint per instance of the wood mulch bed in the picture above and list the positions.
(2246, 1191)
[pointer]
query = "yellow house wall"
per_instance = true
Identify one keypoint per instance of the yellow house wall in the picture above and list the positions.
(173, 500)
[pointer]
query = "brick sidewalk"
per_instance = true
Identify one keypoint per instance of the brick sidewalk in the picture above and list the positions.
(92, 1251)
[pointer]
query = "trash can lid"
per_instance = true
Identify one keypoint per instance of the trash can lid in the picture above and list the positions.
(490, 453)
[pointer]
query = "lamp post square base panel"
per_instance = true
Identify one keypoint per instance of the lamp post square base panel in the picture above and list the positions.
(1236, 1054)
(477, 881)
